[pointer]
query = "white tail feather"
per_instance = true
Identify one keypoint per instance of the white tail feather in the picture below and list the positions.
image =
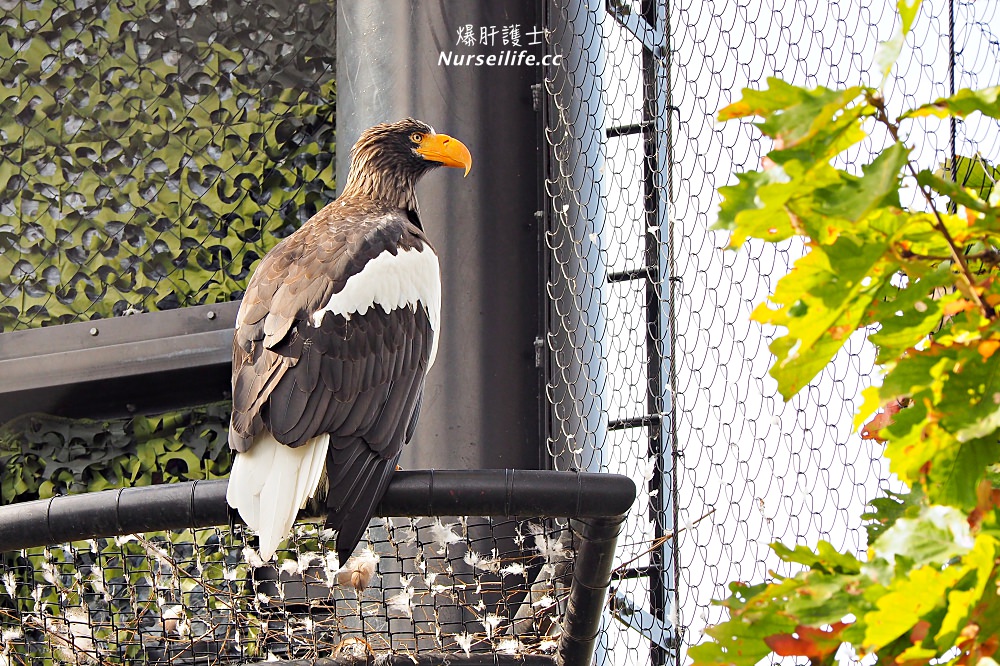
(271, 482)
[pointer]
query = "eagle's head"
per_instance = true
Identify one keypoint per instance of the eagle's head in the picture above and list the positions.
(389, 159)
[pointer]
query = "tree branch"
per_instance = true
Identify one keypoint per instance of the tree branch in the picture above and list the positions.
(881, 116)
(986, 256)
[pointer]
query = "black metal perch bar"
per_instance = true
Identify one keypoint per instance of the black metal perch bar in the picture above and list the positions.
(595, 503)
(425, 659)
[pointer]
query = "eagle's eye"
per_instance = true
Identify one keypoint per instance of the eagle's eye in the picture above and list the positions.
(416, 137)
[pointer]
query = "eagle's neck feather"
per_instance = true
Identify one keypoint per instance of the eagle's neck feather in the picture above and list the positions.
(383, 182)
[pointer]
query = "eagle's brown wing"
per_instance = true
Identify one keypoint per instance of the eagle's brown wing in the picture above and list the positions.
(300, 372)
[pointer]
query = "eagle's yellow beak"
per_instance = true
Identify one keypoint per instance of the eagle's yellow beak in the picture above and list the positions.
(447, 150)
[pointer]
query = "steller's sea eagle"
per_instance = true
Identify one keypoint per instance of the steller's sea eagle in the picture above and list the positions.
(336, 331)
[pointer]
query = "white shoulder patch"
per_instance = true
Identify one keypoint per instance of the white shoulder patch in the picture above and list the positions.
(406, 279)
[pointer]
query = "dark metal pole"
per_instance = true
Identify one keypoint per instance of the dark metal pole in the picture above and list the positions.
(193, 504)
(589, 589)
(952, 121)
(426, 659)
(480, 405)
(660, 320)
(668, 259)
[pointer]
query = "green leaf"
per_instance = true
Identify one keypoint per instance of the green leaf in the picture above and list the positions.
(886, 510)
(956, 471)
(947, 435)
(792, 113)
(836, 284)
(970, 396)
(729, 650)
(871, 401)
(821, 598)
(921, 444)
(940, 181)
(853, 198)
(741, 639)
(810, 600)
(739, 200)
(975, 173)
(961, 104)
(795, 366)
(936, 535)
(888, 51)
(906, 601)
(908, 313)
(826, 558)
(979, 562)
(771, 205)
(982, 427)
(913, 374)
(970, 182)
(826, 141)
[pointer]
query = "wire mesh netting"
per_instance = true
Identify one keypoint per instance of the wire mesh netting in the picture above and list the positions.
(151, 152)
(608, 328)
(793, 472)
(203, 596)
(657, 371)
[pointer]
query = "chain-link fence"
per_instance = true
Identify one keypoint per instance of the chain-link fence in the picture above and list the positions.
(174, 143)
(793, 472)
(203, 595)
(650, 322)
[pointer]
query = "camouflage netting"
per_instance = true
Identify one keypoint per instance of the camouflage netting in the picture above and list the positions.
(42, 456)
(151, 151)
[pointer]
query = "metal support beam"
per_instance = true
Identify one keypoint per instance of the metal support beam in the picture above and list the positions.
(660, 314)
(480, 407)
(588, 591)
(114, 367)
